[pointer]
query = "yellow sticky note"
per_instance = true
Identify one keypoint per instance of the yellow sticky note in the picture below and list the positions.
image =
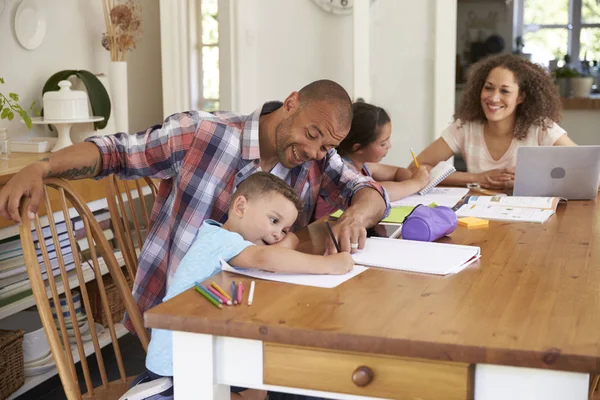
(472, 222)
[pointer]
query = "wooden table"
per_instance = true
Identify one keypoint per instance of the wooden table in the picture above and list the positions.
(523, 323)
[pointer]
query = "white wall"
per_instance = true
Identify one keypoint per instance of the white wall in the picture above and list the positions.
(72, 41)
(582, 126)
(283, 45)
(402, 68)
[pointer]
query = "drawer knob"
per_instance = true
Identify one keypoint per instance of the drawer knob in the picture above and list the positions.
(362, 376)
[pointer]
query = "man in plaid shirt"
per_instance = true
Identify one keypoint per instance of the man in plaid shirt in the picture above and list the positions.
(201, 158)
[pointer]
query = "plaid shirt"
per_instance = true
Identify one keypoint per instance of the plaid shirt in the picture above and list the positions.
(200, 159)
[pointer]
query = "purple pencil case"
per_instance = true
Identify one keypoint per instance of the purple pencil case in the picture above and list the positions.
(427, 224)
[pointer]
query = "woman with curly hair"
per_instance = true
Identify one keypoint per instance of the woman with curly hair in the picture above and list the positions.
(508, 102)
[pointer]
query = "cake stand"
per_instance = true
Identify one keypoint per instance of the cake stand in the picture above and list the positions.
(63, 127)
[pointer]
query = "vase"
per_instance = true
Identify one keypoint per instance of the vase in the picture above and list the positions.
(582, 86)
(117, 77)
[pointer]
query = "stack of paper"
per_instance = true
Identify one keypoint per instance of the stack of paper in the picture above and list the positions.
(425, 257)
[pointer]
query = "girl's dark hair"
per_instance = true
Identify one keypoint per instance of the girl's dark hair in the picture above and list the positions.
(540, 107)
(367, 121)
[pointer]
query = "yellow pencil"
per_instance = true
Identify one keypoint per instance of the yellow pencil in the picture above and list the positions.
(218, 289)
(414, 158)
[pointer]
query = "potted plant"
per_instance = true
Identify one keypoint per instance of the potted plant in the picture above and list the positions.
(10, 105)
(564, 80)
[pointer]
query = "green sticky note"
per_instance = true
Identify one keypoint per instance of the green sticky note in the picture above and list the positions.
(397, 214)
(337, 214)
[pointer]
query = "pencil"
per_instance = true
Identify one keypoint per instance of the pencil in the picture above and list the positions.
(251, 294)
(233, 296)
(240, 293)
(335, 242)
(216, 298)
(219, 295)
(414, 158)
(218, 288)
(207, 296)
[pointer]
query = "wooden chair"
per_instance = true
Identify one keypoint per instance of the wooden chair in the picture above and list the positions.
(118, 195)
(63, 355)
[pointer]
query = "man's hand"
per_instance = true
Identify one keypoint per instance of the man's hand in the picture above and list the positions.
(350, 232)
(27, 182)
(497, 178)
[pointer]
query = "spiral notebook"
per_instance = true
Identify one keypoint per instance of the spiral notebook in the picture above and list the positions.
(438, 174)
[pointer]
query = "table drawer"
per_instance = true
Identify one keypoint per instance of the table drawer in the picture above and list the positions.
(366, 374)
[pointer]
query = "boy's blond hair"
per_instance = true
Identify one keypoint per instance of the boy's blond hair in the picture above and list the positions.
(263, 183)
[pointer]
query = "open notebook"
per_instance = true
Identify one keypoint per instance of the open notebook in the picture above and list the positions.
(510, 208)
(408, 255)
(438, 174)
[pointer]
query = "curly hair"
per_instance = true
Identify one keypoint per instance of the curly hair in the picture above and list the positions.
(541, 106)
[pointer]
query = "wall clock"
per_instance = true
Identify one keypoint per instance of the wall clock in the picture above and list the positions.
(337, 7)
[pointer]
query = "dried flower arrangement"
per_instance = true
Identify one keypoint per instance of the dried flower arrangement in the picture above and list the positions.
(123, 27)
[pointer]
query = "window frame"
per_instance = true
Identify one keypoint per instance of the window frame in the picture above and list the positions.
(573, 26)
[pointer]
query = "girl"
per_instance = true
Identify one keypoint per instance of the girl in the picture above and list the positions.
(365, 146)
(508, 102)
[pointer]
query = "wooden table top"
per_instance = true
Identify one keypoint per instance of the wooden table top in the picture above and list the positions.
(533, 300)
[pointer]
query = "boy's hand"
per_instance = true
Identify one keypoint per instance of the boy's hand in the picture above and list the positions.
(339, 263)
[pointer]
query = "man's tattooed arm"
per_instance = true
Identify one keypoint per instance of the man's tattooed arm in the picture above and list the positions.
(75, 173)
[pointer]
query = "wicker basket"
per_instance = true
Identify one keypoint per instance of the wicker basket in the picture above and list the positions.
(115, 304)
(11, 362)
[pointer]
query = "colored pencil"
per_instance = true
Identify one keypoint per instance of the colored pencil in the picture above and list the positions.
(233, 296)
(218, 288)
(251, 294)
(219, 295)
(240, 293)
(201, 286)
(207, 296)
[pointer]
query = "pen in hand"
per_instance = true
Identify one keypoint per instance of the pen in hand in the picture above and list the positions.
(335, 242)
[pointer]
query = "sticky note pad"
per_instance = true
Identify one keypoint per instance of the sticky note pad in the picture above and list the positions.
(472, 222)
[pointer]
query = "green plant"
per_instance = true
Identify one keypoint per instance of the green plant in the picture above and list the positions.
(566, 72)
(10, 105)
(97, 94)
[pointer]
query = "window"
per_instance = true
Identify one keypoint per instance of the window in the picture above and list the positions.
(204, 58)
(553, 28)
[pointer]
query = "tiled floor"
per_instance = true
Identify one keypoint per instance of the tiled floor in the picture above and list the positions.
(133, 357)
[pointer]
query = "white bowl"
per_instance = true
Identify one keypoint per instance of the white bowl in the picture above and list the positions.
(35, 343)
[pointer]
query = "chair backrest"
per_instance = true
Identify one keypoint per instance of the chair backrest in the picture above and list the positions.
(58, 267)
(124, 214)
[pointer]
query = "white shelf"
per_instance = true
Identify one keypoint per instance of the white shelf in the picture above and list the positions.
(104, 339)
(88, 275)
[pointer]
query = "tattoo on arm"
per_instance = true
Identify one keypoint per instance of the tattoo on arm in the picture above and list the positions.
(75, 173)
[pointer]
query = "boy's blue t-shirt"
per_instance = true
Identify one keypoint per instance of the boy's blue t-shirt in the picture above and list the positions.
(201, 261)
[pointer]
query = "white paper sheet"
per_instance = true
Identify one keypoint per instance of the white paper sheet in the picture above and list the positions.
(408, 255)
(323, 281)
(442, 196)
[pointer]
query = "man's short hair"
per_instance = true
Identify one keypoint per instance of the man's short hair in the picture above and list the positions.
(263, 183)
(332, 93)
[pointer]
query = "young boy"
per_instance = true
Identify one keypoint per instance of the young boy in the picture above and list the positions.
(261, 212)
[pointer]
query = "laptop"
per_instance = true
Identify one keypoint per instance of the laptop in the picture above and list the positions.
(571, 172)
